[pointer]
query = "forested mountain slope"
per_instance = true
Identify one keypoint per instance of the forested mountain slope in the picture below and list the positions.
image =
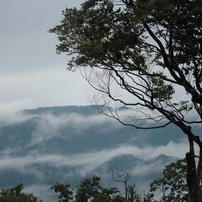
(67, 144)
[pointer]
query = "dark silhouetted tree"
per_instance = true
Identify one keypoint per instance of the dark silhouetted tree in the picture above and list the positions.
(15, 194)
(144, 55)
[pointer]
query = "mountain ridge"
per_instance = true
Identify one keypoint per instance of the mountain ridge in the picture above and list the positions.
(67, 144)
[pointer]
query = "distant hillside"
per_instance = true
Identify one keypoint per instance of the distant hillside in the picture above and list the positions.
(85, 110)
(67, 144)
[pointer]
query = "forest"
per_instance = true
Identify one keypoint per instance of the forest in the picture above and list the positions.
(171, 187)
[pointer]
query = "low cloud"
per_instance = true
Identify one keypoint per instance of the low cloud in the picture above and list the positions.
(92, 160)
(34, 161)
(11, 112)
(49, 125)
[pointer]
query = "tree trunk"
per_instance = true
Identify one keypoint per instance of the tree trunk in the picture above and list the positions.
(199, 169)
(191, 173)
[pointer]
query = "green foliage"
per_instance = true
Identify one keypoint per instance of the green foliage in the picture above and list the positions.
(65, 195)
(151, 50)
(133, 41)
(173, 184)
(107, 194)
(87, 189)
(95, 31)
(90, 190)
(15, 194)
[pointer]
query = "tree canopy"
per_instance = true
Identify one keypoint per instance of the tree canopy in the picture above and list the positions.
(172, 185)
(15, 194)
(149, 48)
(150, 52)
(91, 190)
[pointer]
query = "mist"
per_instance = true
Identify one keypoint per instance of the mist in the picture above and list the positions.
(49, 147)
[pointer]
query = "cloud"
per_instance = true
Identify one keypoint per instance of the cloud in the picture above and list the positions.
(10, 113)
(42, 191)
(45, 87)
(30, 68)
(81, 164)
(91, 160)
(49, 125)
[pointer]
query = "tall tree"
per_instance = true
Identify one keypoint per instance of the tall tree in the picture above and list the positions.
(148, 51)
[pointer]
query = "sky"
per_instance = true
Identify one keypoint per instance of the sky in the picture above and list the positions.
(32, 74)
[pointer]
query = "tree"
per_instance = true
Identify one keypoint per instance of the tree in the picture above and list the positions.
(87, 189)
(173, 183)
(65, 195)
(149, 51)
(90, 190)
(123, 177)
(15, 194)
(131, 194)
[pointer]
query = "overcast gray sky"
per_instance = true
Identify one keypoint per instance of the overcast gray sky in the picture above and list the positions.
(32, 74)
